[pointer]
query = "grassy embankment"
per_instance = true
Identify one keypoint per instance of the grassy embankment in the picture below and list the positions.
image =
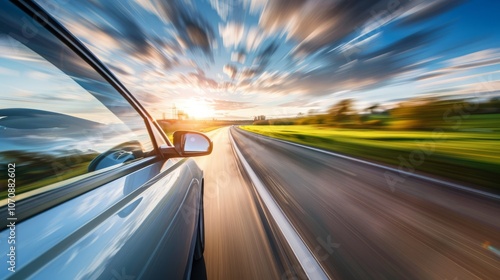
(466, 156)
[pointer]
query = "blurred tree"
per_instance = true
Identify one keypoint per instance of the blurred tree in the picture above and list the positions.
(342, 111)
(312, 112)
(429, 113)
(372, 108)
(321, 119)
(495, 102)
(491, 106)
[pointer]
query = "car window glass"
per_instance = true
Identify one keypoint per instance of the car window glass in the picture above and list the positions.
(58, 117)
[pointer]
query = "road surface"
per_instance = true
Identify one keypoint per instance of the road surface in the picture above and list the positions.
(357, 226)
(240, 243)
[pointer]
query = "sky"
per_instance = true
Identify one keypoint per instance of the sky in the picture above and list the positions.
(237, 59)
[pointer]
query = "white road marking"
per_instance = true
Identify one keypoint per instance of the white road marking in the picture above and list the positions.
(309, 263)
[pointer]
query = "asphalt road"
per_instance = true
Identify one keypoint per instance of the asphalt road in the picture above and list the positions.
(239, 243)
(357, 225)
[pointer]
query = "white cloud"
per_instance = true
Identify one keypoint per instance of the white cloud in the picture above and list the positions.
(255, 5)
(37, 75)
(476, 59)
(148, 6)
(254, 36)
(223, 7)
(18, 52)
(238, 57)
(230, 70)
(9, 72)
(98, 39)
(232, 34)
(235, 34)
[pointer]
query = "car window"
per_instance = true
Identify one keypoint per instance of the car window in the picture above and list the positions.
(58, 117)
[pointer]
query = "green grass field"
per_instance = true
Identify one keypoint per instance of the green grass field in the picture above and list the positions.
(472, 158)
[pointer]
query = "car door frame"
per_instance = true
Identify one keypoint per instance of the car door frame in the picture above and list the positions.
(30, 206)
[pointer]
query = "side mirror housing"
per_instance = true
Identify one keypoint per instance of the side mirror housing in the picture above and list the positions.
(189, 144)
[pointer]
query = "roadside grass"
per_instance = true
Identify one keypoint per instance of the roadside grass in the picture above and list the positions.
(477, 123)
(468, 157)
(483, 122)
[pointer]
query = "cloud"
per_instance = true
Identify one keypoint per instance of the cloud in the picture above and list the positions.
(486, 86)
(413, 41)
(476, 59)
(236, 35)
(314, 24)
(120, 32)
(197, 36)
(223, 105)
(432, 75)
(263, 57)
(191, 25)
(126, 28)
(230, 70)
(11, 49)
(300, 49)
(297, 103)
(196, 82)
(122, 69)
(254, 37)
(334, 73)
(201, 80)
(45, 51)
(470, 61)
(426, 10)
(239, 57)
(248, 73)
(231, 34)
(255, 5)
(9, 72)
(223, 7)
(39, 75)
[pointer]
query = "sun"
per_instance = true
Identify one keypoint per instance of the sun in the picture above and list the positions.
(198, 109)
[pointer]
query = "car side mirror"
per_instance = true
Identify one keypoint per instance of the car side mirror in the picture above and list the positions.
(192, 144)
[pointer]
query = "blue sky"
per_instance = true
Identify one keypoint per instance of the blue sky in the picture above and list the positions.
(241, 58)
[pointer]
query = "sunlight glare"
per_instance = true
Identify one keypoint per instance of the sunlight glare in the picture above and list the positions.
(198, 109)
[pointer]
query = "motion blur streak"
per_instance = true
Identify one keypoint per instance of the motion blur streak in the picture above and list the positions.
(237, 246)
(311, 267)
(279, 58)
(361, 229)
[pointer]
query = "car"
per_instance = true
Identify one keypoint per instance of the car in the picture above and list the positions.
(91, 186)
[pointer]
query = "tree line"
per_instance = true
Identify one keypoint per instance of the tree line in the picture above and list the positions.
(415, 114)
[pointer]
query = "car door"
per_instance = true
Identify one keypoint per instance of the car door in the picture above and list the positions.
(85, 191)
